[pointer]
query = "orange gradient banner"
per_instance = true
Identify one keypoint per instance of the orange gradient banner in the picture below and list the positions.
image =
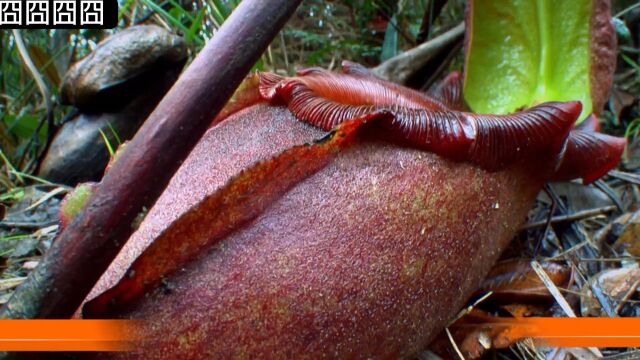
(124, 335)
(572, 332)
(69, 335)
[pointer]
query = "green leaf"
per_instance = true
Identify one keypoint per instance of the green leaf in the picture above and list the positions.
(124, 9)
(107, 143)
(258, 66)
(176, 13)
(180, 10)
(622, 30)
(13, 195)
(522, 53)
(390, 44)
(75, 201)
(221, 9)
(196, 25)
(172, 19)
(24, 126)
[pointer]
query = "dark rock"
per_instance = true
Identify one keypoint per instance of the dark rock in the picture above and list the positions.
(114, 89)
(120, 68)
(78, 152)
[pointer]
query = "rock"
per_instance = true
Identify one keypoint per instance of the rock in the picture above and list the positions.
(114, 88)
(78, 152)
(121, 67)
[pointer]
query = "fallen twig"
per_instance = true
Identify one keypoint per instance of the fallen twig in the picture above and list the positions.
(6, 284)
(26, 225)
(580, 215)
(453, 344)
(627, 296)
(400, 68)
(628, 177)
